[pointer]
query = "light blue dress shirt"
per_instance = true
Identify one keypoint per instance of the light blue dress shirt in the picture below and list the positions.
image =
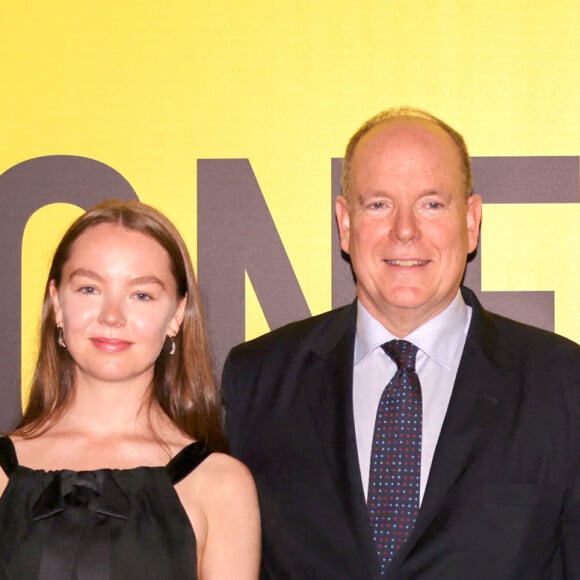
(440, 342)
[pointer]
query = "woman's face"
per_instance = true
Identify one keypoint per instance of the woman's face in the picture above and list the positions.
(117, 302)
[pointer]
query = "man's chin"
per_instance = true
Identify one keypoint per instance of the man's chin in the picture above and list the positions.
(407, 298)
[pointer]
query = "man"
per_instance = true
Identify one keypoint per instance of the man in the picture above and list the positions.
(491, 475)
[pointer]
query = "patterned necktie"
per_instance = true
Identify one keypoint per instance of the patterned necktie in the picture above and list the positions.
(395, 471)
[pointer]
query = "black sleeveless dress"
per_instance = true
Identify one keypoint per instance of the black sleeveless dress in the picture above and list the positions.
(107, 524)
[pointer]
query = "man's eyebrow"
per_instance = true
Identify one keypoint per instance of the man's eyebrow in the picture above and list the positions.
(374, 194)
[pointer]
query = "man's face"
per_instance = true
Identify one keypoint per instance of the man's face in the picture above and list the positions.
(407, 224)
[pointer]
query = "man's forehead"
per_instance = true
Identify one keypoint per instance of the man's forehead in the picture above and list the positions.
(406, 126)
(404, 135)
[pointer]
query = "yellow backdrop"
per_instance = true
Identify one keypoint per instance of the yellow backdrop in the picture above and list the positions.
(150, 87)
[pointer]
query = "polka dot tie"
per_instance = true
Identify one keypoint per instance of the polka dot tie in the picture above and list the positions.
(395, 471)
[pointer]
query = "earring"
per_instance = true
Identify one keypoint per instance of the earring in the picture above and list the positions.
(172, 346)
(60, 337)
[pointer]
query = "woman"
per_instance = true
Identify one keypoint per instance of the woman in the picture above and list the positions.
(117, 469)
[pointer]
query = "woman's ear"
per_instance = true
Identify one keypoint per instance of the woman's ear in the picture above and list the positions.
(55, 299)
(177, 320)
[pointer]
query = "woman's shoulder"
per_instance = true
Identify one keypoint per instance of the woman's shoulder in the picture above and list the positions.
(221, 487)
(221, 475)
(228, 468)
(221, 501)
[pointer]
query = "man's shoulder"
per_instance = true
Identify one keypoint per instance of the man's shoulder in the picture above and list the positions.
(532, 338)
(301, 332)
(507, 334)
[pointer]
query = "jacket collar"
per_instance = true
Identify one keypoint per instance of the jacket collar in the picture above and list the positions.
(472, 410)
(477, 395)
(330, 384)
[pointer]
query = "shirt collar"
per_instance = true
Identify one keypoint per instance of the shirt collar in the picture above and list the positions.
(439, 338)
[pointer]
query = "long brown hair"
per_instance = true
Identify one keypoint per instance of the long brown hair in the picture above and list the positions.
(183, 385)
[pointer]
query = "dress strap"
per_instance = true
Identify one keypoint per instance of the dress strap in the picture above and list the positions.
(186, 461)
(8, 459)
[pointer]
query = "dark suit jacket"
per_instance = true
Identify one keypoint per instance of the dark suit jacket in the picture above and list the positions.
(503, 497)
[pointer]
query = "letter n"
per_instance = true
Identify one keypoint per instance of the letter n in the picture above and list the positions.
(236, 234)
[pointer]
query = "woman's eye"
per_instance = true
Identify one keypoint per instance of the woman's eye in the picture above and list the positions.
(143, 296)
(88, 290)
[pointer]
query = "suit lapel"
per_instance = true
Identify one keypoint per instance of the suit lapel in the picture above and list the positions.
(330, 384)
(473, 407)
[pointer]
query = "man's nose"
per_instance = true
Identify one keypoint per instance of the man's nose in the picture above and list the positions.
(405, 225)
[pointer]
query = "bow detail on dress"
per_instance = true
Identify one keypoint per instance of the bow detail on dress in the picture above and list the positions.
(81, 511)
(95, 490)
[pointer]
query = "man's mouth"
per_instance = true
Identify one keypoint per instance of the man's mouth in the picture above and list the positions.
(407, 263)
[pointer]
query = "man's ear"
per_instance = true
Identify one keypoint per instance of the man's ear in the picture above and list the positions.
(343, 221)
(474, 209)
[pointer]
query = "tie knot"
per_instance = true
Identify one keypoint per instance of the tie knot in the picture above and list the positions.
(403, 354)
